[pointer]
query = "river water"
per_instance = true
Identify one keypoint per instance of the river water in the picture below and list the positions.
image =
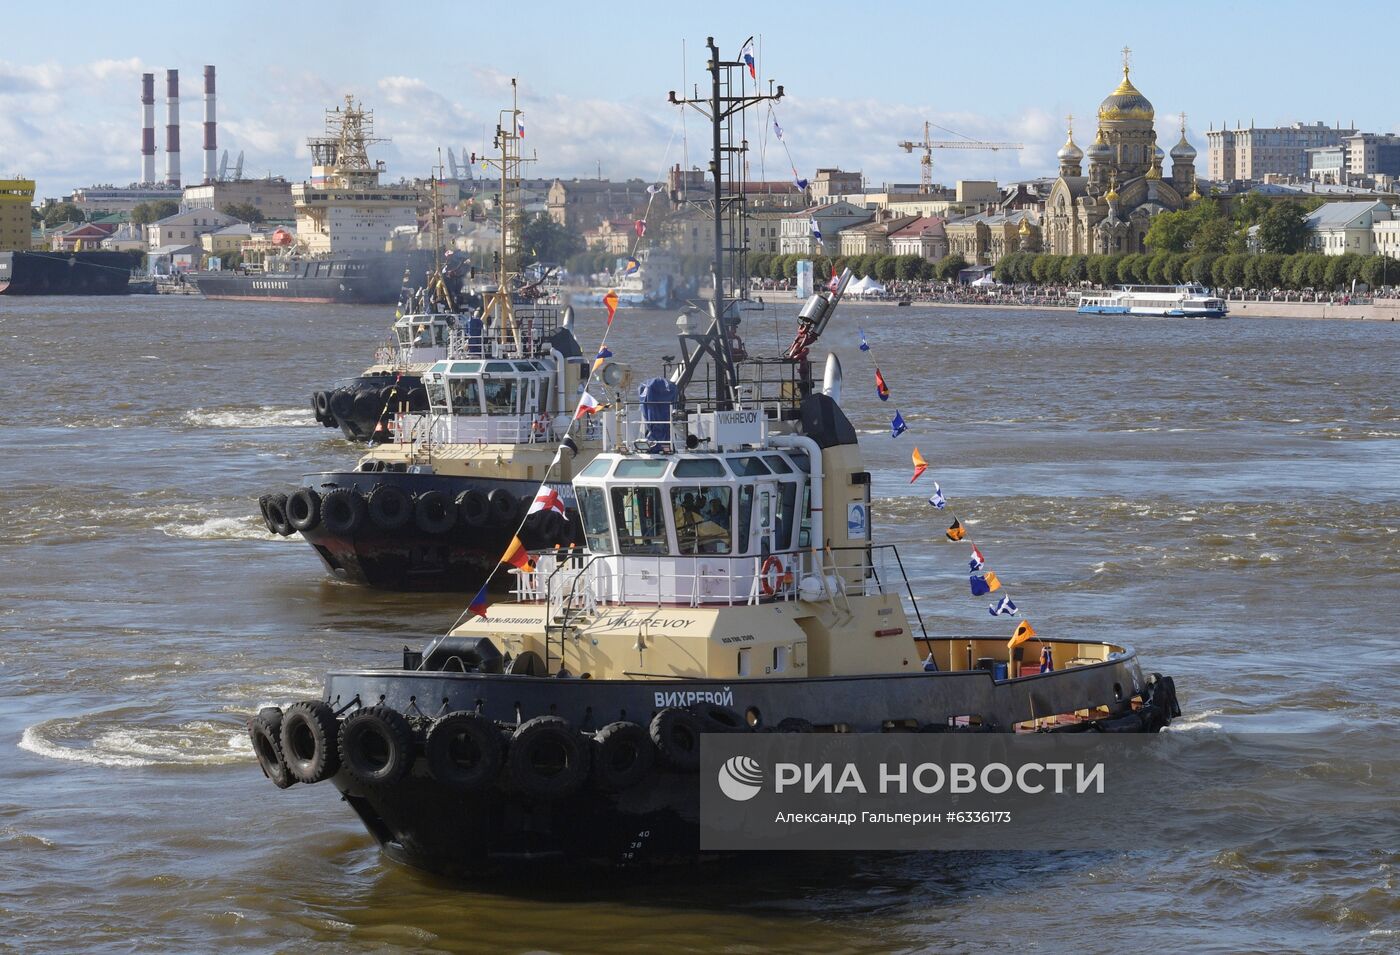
(1223, 495)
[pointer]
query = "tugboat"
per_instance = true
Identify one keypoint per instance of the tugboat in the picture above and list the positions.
(425, 320)
(470, 407)
(714, 593)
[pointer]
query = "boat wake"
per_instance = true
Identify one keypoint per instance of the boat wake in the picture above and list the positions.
(248, 528)
(264, 417)
(130, 738)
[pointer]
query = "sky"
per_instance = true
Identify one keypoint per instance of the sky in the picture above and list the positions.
(593, 80)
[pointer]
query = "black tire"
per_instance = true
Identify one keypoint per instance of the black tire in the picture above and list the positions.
(417, 398)
(342, 403)
(465, 751)
(316, 410)
(304, 509)
(265, 730)
(343, 511)
(389, 507)
(376, 745)
(718, 719)
(321, 400)
(367, 403)
(794, 724)
(676, 736)
(309, 735)
(623, 756)
(547, 759)
(502, 507)
(277, 515)
(388, 400)
(526, 663)
(472, 509)
(267, 518)
(434, 512)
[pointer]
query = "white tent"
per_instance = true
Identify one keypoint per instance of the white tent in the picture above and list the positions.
(865, 286)
(984, 281)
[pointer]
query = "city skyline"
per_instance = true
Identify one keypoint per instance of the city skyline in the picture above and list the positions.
(596, 101)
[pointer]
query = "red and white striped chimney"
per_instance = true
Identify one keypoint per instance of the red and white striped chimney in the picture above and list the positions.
(210, 132)
(172, 127)
(148, 128)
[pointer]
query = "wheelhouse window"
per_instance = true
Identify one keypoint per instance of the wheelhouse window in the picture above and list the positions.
(500, 395)
(466, 396)
(787, 508)
(437, 395)
(641, 525)
(702, 516)
(593, 509)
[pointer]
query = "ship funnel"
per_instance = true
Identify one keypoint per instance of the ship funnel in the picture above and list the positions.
(172, 127)
(148, 127)
(567, 321)
(831, 379)
(211, 151)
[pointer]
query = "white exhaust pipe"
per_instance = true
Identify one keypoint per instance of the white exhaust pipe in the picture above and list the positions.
(831, 380)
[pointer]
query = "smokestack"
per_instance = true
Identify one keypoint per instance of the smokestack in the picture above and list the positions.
(210, 132)
(148, 127)
(172, 127)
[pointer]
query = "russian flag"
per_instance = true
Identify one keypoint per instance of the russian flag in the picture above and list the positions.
(746, 54)
(520, 126)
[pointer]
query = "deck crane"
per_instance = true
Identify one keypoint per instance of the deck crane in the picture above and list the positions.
(929, 145)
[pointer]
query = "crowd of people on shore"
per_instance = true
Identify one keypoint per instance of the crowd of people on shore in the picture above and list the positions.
(1067, 296)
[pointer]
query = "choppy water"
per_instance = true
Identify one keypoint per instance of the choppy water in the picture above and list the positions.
(1224, 495)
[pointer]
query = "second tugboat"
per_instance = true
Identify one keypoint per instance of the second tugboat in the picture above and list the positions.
(713, 595)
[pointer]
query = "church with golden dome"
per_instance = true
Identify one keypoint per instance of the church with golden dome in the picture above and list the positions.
(1108, 211)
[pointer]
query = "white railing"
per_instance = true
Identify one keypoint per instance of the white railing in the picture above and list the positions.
(582, 583)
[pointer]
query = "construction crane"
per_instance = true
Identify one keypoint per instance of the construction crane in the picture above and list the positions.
(929, 145)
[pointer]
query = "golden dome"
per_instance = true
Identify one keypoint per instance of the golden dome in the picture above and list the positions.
(1155, 172)
(1025, 227)
(1112, 194)
(1125, 102)
(1195, 194)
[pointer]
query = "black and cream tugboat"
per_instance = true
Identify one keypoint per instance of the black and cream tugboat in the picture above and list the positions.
(426, 320)
(724, 586)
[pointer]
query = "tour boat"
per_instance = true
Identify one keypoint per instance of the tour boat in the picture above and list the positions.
(1166, 301)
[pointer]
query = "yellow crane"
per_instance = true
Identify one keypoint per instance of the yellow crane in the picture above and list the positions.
(929, 145)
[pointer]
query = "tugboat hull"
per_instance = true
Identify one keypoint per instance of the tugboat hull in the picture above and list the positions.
(496, 829)
(364, 407)
(407, 555)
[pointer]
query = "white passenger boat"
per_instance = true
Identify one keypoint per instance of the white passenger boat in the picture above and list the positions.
(1163, 301)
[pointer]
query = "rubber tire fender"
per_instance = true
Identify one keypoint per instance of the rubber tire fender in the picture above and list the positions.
(472, 508)
(503, 507)
(714, 718)
(367, 403)
(465, 750)
(434, 512)
(390, 507)
(546, 759)
(309, 734)
(304, 509)
(316, 409)
(623, 756)
(387, 731)
(267, 518)
(343, 511)
(321, 401)
(265, 730)
(277, 515)
(342, 403)
(676, 735)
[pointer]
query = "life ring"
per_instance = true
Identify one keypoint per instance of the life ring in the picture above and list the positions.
(277, 515)
(343, 511)
(304, 509)
(676, 736)
(773, 568)
(309, 741)
(376, 745)
(464, 750)
(472, 508)
(265, 730)
(389, 507)
(546, 759)
(623, 756)
(434, 512)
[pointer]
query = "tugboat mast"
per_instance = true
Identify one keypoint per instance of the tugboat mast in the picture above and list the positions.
(724, 109)
(497, 310)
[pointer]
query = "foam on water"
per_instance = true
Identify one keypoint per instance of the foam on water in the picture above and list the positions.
(100, 740)
(263, 417)
(221, 528)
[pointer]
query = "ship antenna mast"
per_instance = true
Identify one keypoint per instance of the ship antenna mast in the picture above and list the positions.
(724, 108)
(497, 311)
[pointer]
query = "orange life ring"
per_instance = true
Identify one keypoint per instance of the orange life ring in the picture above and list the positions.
(773, 567)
